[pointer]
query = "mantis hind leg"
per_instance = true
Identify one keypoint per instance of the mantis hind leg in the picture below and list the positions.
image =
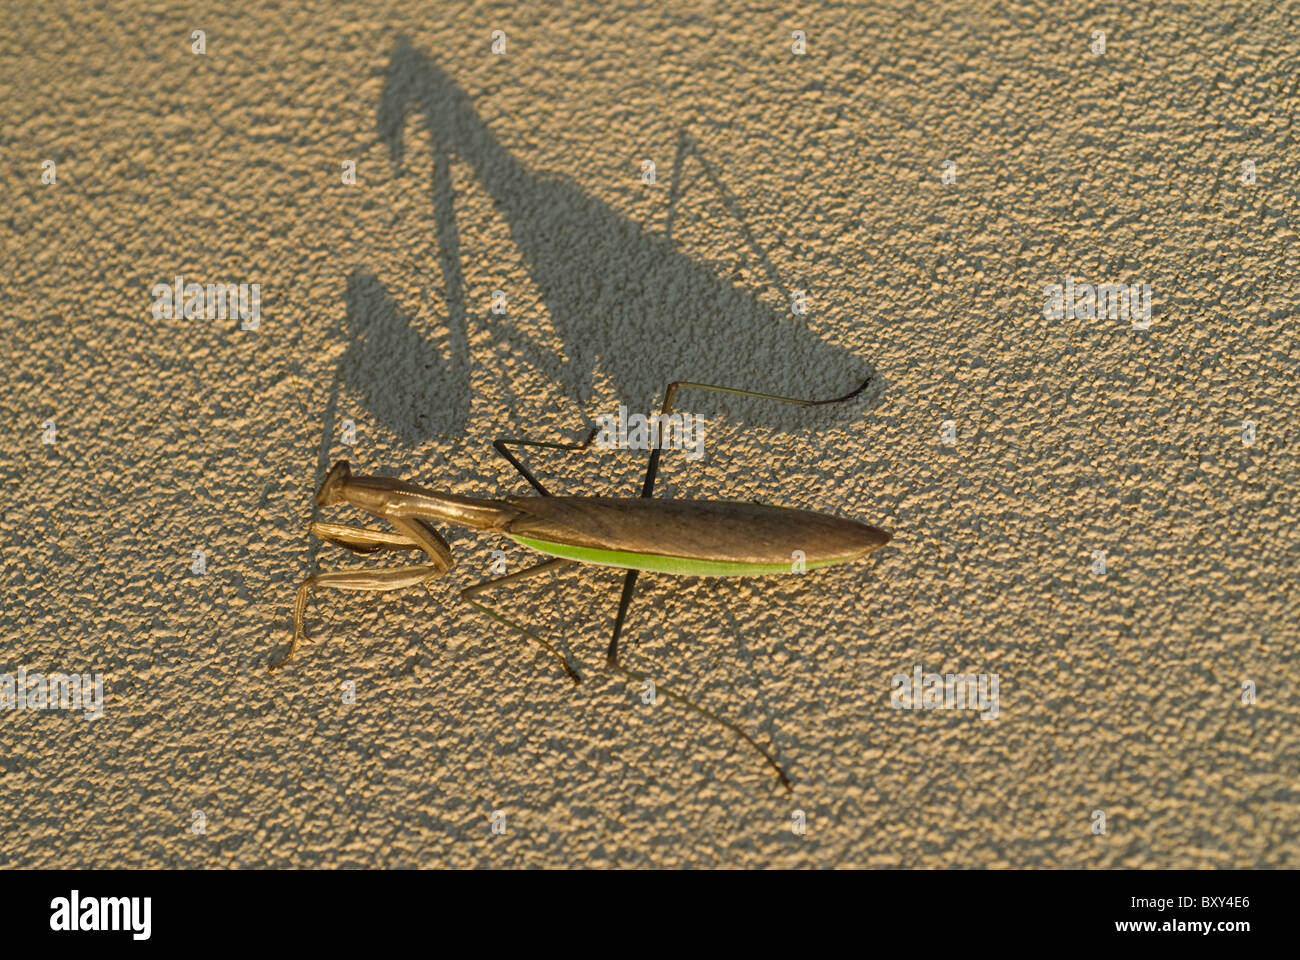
(611, 657)
(629, 582)
(670, 394)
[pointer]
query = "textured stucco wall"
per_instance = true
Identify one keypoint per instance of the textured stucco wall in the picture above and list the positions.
(521, 172)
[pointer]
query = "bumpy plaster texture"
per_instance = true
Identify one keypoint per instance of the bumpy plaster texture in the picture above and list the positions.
(774, 173)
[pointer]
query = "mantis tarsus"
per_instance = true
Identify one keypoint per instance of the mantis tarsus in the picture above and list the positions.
(682, 537)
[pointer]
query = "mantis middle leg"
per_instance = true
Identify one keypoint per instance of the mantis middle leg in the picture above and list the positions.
(500, 447)
(553, 564)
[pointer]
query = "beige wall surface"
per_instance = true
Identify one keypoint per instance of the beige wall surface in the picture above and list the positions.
(918, 176)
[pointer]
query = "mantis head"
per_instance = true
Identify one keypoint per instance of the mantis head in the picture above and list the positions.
(329, 491)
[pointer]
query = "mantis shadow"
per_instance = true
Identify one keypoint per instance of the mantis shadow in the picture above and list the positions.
(621, 298)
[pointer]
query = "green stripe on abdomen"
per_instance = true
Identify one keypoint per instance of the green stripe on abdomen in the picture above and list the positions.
(658, 563)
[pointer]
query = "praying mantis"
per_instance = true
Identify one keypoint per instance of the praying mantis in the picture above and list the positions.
(724, 538)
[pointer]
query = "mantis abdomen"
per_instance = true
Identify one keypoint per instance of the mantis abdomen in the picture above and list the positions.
(715, 538)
